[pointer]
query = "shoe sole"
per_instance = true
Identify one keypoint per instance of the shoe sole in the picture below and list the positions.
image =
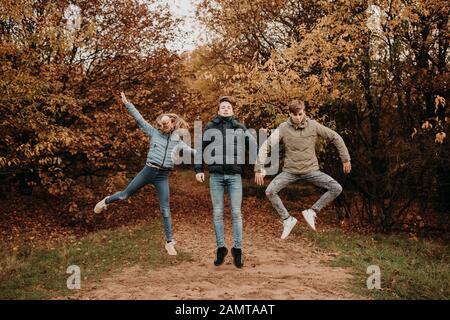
(310, 226)
(171, 253)
(289, 230)
(218, 265)
(97, 210)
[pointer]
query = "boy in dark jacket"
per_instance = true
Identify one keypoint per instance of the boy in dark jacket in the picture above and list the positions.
(223, 145)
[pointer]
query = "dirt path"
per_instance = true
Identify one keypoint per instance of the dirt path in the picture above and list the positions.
(273, 268)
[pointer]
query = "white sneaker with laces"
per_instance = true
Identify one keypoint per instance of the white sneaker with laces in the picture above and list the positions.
(310, 216)
(101, 205)
(288, 225)
(170, 247)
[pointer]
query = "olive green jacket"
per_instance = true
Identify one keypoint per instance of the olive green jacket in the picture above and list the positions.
(300, 145)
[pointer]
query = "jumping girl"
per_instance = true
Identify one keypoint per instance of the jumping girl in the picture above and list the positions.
(164, 144)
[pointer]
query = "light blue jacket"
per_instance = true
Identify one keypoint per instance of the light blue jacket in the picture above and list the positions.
(163, 147)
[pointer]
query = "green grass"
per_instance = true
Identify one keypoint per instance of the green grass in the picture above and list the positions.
(410, 269)
(40, 273)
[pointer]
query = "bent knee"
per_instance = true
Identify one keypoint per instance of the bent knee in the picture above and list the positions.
(269, 192)
(166, 214)
(165, 211)
(217, 214)
(237, 215)
(337, 189)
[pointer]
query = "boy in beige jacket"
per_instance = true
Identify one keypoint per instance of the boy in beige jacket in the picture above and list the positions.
(299, 134)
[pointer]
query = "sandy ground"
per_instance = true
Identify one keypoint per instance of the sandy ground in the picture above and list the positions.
(274, 269)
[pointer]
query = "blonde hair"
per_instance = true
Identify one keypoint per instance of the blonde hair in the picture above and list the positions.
(177, 121)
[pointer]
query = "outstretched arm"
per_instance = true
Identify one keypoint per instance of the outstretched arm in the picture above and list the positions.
(337, 140)
(142, 124)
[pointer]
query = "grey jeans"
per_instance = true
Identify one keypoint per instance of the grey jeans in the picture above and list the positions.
(317, 178)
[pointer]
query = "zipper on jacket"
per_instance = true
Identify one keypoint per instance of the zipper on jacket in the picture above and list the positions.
(224, 148)
(165, 152)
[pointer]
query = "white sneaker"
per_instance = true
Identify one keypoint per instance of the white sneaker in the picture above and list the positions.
(100, 206)
(310, 216)
(288, 224)
(170, 247)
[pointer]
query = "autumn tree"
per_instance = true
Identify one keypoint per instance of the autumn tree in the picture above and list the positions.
(375, 71)
(241, 31)
(63, 64)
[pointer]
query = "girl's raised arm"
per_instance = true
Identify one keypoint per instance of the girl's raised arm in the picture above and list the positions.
(146, 127)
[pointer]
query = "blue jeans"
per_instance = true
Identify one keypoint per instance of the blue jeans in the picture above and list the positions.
(160, 179)
(217, 184)
(317, 178)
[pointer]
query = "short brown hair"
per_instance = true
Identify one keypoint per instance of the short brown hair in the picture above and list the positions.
(226, 98)
(295, 106)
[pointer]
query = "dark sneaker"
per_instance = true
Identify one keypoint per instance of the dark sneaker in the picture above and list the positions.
(237, 255)
(221, 253)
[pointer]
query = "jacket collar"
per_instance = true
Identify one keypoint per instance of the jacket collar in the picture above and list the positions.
(302, 125)
(219, 120)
